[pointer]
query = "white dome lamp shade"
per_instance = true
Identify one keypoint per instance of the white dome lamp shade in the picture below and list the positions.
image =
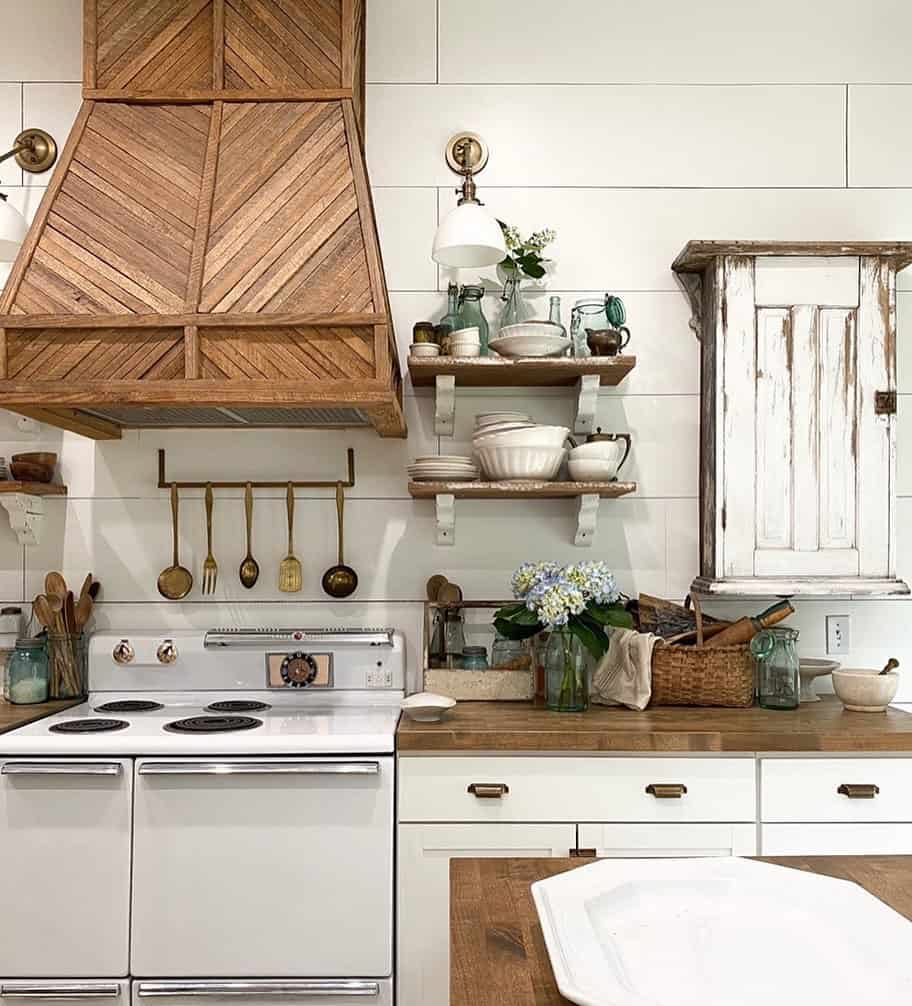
(468, 236)
(13, 229)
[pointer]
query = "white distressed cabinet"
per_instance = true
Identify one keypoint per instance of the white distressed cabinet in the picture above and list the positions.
(798, 415)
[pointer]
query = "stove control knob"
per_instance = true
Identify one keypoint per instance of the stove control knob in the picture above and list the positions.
(298, 670)
(167, 652)
(123, 652)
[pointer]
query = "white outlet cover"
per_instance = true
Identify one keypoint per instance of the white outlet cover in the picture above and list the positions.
(692, 932)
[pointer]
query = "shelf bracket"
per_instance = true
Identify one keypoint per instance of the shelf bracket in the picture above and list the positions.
(445, 405)
(586, 520)
(587, 389)
(446, 518)
(26, 516)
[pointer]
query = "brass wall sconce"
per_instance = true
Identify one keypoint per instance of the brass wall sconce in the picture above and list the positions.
(35, 151)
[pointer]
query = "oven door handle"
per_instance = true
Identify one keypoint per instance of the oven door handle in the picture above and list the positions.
(61, 990)
(152, 990)
(260, 768)
(60, 768)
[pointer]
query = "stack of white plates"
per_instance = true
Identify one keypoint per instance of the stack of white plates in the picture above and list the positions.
(498, 422)
(444, 468)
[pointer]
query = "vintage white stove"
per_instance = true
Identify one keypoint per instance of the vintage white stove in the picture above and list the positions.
(216, 821)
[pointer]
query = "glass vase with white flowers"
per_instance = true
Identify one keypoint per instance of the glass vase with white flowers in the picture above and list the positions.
(576, 605)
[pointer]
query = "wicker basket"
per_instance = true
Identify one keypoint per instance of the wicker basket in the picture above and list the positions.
(702, 676)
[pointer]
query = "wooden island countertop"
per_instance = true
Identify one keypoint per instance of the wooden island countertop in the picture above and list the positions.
(497, 951)
(473, 727)
(12, 716)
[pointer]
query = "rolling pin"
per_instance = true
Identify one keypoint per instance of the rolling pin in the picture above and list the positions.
(744, 630)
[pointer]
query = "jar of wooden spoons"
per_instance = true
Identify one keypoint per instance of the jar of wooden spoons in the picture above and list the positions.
(67, 665)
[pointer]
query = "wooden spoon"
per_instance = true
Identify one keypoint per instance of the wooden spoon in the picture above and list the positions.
(174, 582)
(42, 609)
(249, 572)
(56, 603)
(890, 665)
(54, 584)
(69, 612)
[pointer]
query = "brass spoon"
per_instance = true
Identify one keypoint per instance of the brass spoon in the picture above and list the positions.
(175, 582)
(249, 571)
(340, 580)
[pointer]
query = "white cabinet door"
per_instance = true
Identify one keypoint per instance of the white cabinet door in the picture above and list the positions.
(268, 992)
(836, 840)
(642, 841)
(65, 843)
(425, 851)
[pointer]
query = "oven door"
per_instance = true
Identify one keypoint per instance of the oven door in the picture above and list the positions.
(263, 868)
(264, 993)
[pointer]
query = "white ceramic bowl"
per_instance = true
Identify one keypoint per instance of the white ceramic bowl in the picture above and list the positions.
(424, 349)
(534, 436)
(465, 350)
(597, 450)
(470, 334)
(426, 707)
(547, 342)
(809, 670)
(865, 691)
(507, 464)
(589, 470)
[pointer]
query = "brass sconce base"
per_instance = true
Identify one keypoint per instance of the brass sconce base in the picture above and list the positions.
(467, 154)
(37, 150)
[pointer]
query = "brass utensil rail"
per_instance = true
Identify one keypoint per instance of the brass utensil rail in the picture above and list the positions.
(166, 483)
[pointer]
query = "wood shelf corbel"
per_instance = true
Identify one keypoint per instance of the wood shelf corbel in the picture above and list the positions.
(588, 494)
(24, 503)
(587, 375)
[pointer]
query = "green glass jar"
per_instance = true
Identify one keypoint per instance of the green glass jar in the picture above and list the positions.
(27, 673)
(566, 673)
(474, 658)
(776, 656)
(471, 313)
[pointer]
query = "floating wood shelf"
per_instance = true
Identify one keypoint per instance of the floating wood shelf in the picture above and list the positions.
(498, 372)
(587, 374)
(588, 494)
(24, 503)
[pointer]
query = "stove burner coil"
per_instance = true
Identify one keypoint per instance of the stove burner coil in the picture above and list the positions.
(130, 706)
(213, 724)
(238, 706)
(88, 726)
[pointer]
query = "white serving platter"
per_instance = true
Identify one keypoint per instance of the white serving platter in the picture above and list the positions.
(720, 932)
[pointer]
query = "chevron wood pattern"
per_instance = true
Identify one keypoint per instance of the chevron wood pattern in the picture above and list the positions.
(286, 229)
(283, 43)
(119, 235)
(149, 354)
(150, 45)
(264, 354)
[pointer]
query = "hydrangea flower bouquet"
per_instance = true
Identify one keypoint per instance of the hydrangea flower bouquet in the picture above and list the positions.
(579, 601)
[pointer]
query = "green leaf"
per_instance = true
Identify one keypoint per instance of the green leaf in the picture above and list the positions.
(611, 614)
(512, 630)
(595, 643)
(534, 271)
(509, 610)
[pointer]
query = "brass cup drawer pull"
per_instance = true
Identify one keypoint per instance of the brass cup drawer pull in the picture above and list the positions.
(666, 790)
(858, 791)
(488, 790)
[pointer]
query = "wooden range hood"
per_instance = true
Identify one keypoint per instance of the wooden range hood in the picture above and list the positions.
(206, 253)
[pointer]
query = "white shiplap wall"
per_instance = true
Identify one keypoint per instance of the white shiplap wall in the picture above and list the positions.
(629, 129)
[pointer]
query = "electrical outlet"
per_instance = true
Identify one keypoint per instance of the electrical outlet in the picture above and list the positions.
(379, 678)
(837, 633)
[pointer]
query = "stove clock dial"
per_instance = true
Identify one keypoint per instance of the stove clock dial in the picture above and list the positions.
(298, 670)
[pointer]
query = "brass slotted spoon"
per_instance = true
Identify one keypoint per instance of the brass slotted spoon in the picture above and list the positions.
(290, 567)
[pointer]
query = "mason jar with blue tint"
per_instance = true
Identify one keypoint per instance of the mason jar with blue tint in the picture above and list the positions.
(27, 672)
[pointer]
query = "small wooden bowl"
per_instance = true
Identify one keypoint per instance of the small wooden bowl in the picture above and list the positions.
(27, 467)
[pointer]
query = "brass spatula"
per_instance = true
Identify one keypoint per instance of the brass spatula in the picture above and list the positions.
(290, 567)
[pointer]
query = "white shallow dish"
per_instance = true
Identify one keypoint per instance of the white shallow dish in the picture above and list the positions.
(543, 344)
(713, 932)
(509, 464)
(809, 669)
(427, 707)
(485, 418)
(532, 436)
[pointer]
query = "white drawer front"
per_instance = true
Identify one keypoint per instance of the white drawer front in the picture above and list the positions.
(836, 789)
(298, 992)
(643, 841)
(575, 789)
(45, 992)
(836, 840)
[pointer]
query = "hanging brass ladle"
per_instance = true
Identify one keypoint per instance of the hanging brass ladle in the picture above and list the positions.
(340, 580)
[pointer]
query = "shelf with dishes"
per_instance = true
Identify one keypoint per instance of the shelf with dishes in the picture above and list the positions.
(22, 495)
(515, 458)
(529, 354)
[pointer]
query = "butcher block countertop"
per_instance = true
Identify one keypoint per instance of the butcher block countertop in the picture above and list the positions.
(519, 726)
(12, 716)
(497, 951)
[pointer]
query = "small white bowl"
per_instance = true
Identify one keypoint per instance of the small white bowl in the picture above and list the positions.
(471, 334)
(426, 707)
(862, 690)
(591, 470)
(424, 349)
(533, 436)
(465, 350)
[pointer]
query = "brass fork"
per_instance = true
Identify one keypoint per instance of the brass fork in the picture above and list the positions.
(210, 566)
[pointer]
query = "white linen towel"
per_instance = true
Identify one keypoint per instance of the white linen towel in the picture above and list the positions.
(623, 677)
